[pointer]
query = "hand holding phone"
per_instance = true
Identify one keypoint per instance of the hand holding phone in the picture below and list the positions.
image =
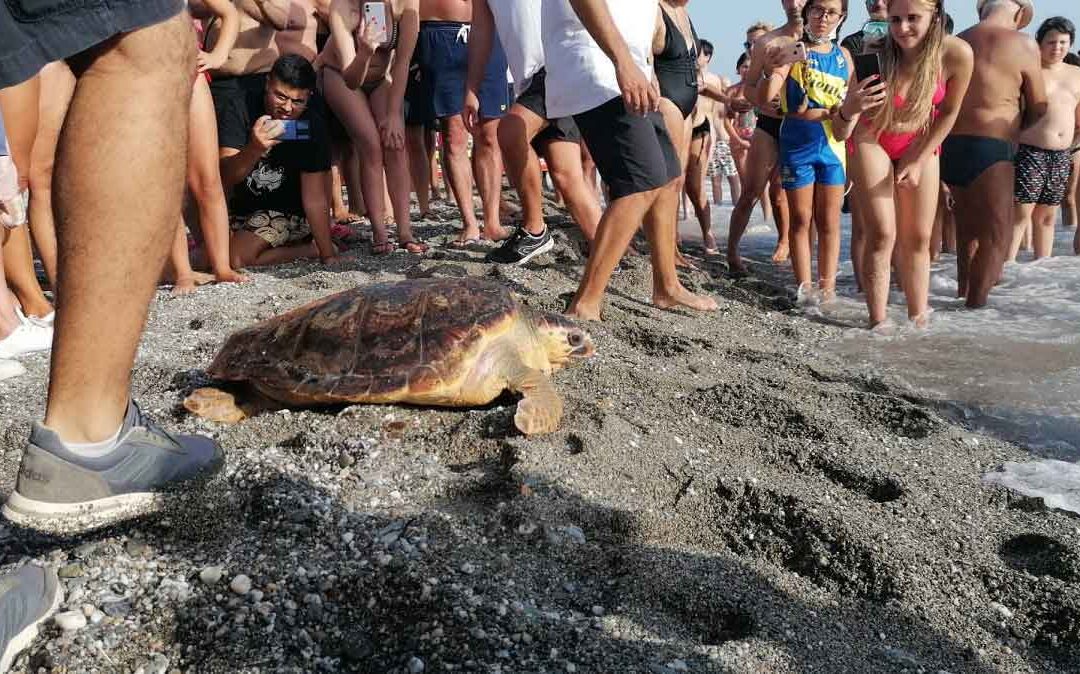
(295, 129)
(788, 54)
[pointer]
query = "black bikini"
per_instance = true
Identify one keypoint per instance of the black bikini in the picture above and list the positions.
(676, 68)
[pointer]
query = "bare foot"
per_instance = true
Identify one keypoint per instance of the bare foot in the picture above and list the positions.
(681, 297)
(710, 244)
(468, 236)
(583, 312)
(231, 276)
(736, 267)
(781, 254)
(185, 285)
(682, 263)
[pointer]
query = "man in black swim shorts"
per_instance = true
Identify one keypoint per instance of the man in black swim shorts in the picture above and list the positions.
(976, 160)
(615, 104)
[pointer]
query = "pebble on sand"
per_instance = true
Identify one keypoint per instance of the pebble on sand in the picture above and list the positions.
(70, 621)
(240, 584)
(211, 575)
(415, 665)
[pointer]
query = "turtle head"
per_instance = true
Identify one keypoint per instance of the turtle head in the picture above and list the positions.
(563, 340)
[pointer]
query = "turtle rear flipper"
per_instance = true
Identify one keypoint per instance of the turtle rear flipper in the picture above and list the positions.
(540, 411)
(215, 405)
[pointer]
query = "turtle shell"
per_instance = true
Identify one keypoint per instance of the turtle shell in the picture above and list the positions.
(383, 342)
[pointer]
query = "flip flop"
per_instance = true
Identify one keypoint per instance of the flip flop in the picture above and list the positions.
(464, 245)
(413, 246)
(384, 248)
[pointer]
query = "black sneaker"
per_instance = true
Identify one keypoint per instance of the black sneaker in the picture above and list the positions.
(522, 247)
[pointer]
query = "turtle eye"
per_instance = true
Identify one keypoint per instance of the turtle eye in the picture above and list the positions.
(575, 339)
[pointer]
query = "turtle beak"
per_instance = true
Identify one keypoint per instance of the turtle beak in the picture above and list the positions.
(585, 349)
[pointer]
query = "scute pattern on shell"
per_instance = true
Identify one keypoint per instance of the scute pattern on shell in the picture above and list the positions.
(370, 344)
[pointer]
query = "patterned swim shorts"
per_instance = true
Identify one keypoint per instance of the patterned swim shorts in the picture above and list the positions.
(1042, 176)
(276, 229)
(722, 163)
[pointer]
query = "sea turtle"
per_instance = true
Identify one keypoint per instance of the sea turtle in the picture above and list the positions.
(445, 342)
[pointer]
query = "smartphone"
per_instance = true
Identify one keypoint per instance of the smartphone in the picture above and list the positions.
(296, 129)
(867, 65)
(375, 12)
(793, 54)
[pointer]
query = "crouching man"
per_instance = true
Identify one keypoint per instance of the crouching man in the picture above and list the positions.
(275, 163)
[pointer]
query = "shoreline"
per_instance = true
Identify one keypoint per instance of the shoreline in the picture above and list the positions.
(725, 495)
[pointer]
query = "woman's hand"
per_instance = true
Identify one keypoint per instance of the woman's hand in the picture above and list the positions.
(209, 61)
(368, 38)
(864, 96)
(908, 171)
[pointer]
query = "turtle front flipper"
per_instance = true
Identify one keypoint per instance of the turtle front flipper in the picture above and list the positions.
(540, 411)
(215, 405)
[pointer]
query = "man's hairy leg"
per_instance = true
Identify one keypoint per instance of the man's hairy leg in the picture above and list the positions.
(133, 92)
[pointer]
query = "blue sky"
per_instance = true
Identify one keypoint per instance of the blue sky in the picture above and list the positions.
(724, 22)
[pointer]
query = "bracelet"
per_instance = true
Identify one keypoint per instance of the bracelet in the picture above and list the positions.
(840, 111)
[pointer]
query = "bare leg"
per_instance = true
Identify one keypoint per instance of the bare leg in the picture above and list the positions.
(184, 279)
(350, 173)
(986, 210)
(396, 162)
(668, 291)
(419, 167)
(858, 206)
(516, 132)
(760, 162)
(802, 214)
(57, 86)
(915, 210)
(460, 174)
(354, 111)
(948, 221)
(828, 200)
(1044, 221)
(717, 190)
(19, 267)
(564, 162)
(204, 179)
(695, 190)
(249, 250)
(487, 167)
(1023, 214)
(8, 320)
(337, 199)
(872, 172)
(1068, 205)
(111, 254)
(781, 213)
(735, 188)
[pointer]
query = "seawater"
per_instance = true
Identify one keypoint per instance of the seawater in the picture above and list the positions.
(1011, 369)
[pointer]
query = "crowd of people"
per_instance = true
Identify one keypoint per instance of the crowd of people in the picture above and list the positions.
(261, 110)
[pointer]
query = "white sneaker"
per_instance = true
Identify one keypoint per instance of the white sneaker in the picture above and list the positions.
(10, 369)
(27, 338)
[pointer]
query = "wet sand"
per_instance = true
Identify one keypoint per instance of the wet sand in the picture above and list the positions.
(724, 495)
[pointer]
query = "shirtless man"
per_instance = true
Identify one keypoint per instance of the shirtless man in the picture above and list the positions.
(1044, 160)
(269, 29)
(442, 54)
(1006, 94)
(764, 146)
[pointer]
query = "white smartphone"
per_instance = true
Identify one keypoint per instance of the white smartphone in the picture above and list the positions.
(376, 13)
(793, 54)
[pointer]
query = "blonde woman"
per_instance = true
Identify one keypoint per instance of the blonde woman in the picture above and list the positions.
(896, 151)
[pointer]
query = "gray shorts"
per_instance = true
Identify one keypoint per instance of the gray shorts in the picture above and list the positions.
(36, 32)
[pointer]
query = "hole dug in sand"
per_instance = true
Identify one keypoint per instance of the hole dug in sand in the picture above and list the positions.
(1041, 555)
(754, 520)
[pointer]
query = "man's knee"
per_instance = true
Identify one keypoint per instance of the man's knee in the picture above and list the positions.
(511, 134)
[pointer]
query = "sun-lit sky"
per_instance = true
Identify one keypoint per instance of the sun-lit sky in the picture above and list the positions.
(724, 22)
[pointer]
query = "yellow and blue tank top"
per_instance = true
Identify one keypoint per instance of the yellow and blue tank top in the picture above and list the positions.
(821, 82)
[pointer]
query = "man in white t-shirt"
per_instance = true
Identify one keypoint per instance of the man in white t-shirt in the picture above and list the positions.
(599, 60)
(527, 128)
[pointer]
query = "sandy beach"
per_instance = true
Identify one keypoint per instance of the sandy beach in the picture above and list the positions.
(726, 494)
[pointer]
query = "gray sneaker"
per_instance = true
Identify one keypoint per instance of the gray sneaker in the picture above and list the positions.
(61, 493)
(27, 598)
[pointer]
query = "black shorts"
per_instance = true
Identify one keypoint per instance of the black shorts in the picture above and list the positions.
(34, 33)
(1042, 176)
(634, 154)
(442, 54)
(534, 100)
(770, 125)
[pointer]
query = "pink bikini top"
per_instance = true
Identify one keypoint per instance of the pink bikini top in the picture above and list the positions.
(897, 144)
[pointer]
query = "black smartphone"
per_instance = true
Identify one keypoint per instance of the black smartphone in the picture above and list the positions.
(867, 65)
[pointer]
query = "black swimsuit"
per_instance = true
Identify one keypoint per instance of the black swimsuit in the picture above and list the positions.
(676, 68)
